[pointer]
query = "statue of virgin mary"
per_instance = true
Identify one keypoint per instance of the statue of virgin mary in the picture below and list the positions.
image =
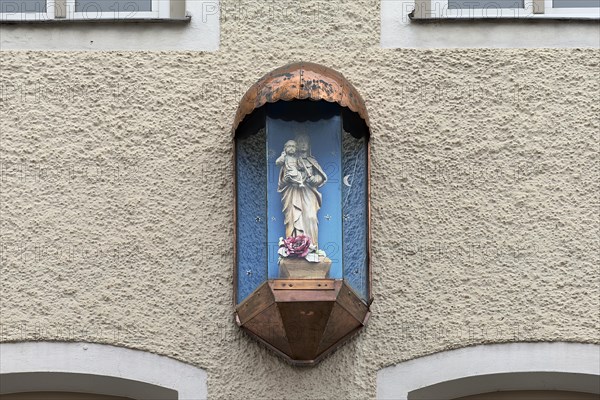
(299, 178)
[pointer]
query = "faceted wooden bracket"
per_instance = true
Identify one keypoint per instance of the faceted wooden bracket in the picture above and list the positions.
(302, 319)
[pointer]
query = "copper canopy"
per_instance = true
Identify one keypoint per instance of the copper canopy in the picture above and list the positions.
(306, 81)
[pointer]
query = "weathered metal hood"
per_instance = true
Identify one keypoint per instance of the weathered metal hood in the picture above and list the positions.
(306, 81)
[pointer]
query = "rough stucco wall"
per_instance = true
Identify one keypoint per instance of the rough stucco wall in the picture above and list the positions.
(116, 202)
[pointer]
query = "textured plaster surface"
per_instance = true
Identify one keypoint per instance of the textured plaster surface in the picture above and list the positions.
(116, 202)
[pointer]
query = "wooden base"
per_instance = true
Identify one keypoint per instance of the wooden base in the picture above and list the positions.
(299, 268)
(302, 319)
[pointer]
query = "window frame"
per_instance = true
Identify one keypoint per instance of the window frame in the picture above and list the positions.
(111, 15)
(575, 12)
(31, 16)
(537, 9)
(440, 9)
(161, 9)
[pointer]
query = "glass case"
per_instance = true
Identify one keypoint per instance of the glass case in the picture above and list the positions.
(302, 199)
(302, 279)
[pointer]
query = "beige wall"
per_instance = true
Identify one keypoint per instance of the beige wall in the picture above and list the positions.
(503, 157)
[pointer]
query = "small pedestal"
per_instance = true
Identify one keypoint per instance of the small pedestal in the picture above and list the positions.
(299, 268)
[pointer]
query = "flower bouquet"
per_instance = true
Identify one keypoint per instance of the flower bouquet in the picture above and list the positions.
(299, 247)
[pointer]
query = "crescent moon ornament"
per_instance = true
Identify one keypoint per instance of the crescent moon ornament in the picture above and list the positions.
(346, 181)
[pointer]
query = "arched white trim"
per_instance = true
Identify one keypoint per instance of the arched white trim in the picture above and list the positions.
(100, 369)
(486, 368)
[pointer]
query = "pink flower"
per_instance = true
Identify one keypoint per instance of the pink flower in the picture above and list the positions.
(298, 246)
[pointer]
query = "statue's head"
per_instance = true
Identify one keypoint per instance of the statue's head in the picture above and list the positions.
(303, 142)
(290, 147)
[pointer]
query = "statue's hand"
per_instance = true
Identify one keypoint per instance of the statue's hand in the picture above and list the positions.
(289, 178)
(281, 160)
(315, 180)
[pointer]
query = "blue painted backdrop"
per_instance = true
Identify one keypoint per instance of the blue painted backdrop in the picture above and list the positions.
(326, 143)
(354, 204)
(343, 216)
(251, 214)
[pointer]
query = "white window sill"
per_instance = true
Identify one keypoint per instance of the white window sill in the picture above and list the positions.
(185, 19)
(589, 17)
